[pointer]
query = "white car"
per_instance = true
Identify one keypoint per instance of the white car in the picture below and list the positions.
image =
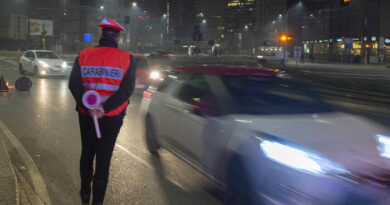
(272, 56)
(268, 140)
(42, 63)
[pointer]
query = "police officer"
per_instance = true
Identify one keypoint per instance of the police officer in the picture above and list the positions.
(110, 72)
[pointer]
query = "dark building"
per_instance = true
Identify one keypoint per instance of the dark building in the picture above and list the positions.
(240, 25)
(143, 21)
(211, 16)
(270, 22)
(181, 18)
(39, 16)
(354, 33)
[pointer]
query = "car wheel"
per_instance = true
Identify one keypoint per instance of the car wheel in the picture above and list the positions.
(21, 70)
(36, 72)
(150, 134)
(240, 189)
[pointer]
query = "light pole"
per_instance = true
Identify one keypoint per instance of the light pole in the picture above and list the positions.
(28, 21)
(134, 12)
(286, 31)
(288, 12)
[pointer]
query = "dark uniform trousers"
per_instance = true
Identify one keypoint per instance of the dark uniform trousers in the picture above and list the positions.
(101, 148)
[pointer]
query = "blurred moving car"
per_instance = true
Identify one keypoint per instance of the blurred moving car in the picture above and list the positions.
(42, 63)
(145, 74)
(267, 139)
(161, 55)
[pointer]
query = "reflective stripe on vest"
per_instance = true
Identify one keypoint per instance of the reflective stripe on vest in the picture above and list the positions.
(102, 70)
(101, 86)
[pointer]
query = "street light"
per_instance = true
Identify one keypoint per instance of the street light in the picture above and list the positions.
(102, 7)
(288, 12)
(165, 15)
(284, 38)
(134, 4)
(204, 21)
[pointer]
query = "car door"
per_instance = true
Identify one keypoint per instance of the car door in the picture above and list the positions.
(27, 61)
(195, 100)
(32, 62)
(165, 108)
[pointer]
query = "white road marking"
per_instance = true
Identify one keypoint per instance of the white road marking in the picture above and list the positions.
(149, 166)
(6, 59)
(273, 201)
(35, 175)
(133, 155)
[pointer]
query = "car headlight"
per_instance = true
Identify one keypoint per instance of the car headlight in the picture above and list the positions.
(64, 65)
(383, 145)
(154, 75)
(299, 159)
(43, 64)
(260, 56)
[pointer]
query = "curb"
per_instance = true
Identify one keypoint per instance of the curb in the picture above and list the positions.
(8, 178)
(36, 193)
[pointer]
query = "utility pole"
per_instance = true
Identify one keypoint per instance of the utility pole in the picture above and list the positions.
(28, 22)
(197, 33)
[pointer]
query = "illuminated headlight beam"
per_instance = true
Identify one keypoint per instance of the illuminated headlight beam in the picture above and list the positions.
(383, 145)
(299, 159)
(154, 75)
(64, 64)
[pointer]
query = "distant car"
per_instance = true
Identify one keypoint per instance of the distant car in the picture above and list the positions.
(269, 140)
(145, 74)
(272, 56)
(42, 63)
(163, 55)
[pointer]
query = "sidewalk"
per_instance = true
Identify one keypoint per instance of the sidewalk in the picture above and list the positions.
(20, 180)
(8, 180)
(339, 66)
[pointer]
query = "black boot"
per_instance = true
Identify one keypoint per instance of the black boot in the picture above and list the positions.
(85, 197)
(99, 190)
(85, 191)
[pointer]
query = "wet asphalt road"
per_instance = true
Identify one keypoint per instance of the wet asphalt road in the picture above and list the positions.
(46, 124)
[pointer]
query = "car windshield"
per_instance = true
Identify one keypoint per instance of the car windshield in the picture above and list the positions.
(46, 55)
(260, 95)
(140, 63)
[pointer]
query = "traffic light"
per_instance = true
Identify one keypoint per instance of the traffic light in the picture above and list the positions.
(345, 3)
(285, 38)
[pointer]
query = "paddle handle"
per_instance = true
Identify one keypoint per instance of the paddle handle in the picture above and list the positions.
(97, 128)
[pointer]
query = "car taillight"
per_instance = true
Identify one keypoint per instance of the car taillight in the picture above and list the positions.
(169, 54)
(147, 95)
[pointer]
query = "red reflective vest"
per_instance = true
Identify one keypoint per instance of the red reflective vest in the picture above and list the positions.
(102, 69)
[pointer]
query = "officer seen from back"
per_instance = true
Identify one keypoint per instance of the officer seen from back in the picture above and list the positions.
(110, 72)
